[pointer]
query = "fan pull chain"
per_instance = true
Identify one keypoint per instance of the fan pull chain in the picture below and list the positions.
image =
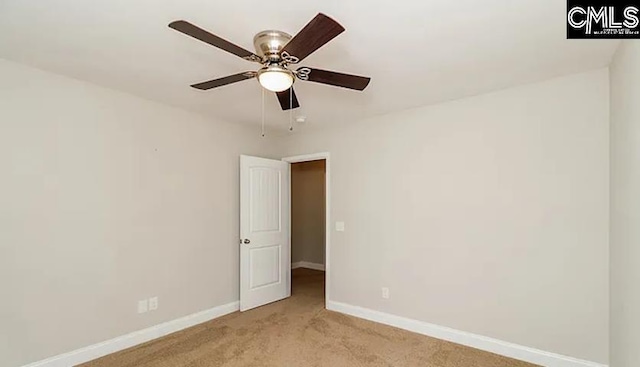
(262, 112)
(291, 109)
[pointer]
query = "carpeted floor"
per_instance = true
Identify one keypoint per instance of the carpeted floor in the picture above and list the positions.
(299, 332)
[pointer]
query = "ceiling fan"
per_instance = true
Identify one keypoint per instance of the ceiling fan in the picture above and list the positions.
(276, 51)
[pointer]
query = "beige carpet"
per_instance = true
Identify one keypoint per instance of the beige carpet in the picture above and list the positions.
(299, 332)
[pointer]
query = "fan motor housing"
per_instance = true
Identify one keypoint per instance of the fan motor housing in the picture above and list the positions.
(268, 44)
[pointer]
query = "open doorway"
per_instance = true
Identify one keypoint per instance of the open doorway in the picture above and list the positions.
(309, 227)
(265, 233)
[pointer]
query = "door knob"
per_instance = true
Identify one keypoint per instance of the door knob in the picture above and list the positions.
(246, 241)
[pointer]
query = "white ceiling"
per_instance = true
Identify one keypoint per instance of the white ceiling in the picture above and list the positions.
(417, 52)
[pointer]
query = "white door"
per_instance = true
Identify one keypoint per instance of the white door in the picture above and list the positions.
(265, 262)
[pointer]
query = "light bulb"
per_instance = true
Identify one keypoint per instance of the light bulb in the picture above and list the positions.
(276, 79)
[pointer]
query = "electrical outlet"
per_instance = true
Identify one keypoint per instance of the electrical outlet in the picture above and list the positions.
(340, 226)
(143, 306)
(385, 292)
(153, 303)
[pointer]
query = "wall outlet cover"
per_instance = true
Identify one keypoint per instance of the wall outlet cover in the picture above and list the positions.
(340, 226)
(153, 303)
(143, 306)
(385, 292)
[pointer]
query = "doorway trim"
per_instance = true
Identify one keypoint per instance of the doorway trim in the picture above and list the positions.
(327, 209)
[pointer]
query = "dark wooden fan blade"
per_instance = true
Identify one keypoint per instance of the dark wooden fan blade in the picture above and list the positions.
(288, 101)
(338, 79)
(314, 35)
(204, 36)
(224, 81)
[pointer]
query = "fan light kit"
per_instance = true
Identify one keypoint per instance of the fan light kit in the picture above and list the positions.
(275, 78)
(276, 51)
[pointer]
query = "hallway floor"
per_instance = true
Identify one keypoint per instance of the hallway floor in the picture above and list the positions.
(299, 332)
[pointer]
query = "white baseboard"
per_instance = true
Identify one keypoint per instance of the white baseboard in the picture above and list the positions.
(98, 350)
(307, 265)
(500, 347)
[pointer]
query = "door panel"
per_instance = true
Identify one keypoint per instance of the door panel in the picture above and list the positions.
(265, 275)
(265, 199)
(266, 266)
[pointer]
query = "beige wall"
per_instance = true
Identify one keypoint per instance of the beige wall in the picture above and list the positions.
(308, 211)
(107, 199)
(625, 206)
(488, 214)
(494, 208)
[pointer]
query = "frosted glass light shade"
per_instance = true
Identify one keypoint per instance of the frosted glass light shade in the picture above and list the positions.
(275, 80)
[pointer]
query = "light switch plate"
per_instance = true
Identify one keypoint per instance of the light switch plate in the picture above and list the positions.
(340, 226)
